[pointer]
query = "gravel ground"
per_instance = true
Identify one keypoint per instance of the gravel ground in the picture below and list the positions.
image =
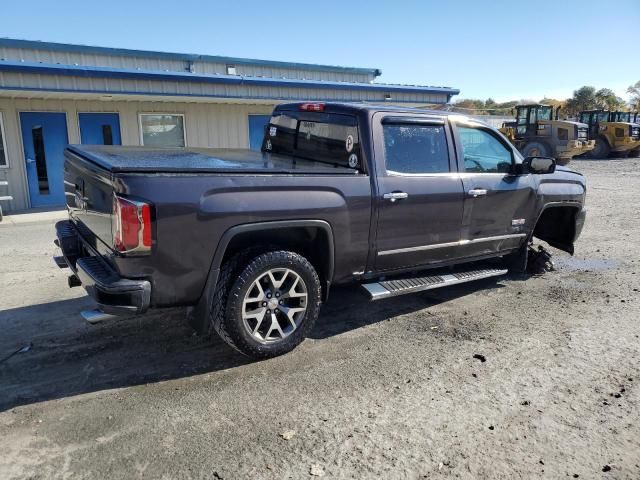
(380, 390)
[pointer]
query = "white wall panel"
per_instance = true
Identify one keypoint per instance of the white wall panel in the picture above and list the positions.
(178, 65)
(207, 125)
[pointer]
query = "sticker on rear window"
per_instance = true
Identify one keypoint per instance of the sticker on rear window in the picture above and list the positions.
(353, 160)
(348, 144)
(273, 131)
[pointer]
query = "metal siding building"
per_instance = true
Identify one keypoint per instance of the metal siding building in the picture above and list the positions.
(94, 94)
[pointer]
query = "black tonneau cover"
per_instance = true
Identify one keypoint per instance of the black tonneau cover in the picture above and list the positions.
(200, 160)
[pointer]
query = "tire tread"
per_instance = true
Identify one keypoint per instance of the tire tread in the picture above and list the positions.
(234, 275)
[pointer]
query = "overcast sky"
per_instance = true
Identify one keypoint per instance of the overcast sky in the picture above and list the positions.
(500, 49)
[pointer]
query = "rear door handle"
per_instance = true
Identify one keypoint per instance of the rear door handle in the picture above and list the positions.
(393, 196)
(477, 192)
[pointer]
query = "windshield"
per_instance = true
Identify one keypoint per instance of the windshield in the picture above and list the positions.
(544, 113)
(621, 117)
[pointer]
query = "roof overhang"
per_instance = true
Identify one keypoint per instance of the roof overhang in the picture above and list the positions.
(234, 80)
(106, 97)
(185, 57)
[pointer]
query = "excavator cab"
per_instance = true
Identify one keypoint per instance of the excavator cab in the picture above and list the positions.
(629, 117)
(529, 119)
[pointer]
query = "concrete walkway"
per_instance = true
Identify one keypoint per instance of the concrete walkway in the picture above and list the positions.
(19, 218)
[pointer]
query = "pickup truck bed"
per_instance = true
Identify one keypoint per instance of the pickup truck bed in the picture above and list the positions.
(198, 196)
(200, 160)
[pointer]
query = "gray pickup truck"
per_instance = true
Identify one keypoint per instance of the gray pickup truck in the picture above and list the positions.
(400, 200)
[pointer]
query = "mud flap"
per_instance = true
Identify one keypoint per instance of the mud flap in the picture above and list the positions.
(198, 314)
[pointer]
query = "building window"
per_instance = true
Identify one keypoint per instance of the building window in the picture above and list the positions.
(231, 70)
(162, 130)
(3, 145)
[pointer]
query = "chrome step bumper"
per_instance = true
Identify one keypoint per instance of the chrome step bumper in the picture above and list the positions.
(402, 286)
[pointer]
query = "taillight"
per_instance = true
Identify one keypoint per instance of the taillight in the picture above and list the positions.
(312, 107)
(131, 225)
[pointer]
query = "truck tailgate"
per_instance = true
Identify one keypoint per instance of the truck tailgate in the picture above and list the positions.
(89, 197)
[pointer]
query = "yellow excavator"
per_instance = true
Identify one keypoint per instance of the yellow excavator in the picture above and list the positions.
(536, 131)
(614, 133)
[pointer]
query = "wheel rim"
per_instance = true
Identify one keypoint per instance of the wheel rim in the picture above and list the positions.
(274, 305)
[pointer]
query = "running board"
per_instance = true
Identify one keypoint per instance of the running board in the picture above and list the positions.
(393, 288)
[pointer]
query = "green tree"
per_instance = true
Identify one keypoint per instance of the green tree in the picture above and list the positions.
(490, 106)
(553, 102)
(469, 106)
(583, 99)
(608, 100)
(634, 90)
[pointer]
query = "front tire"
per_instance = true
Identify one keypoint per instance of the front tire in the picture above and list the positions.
(266, 304)
(602, 150)
(536, 149)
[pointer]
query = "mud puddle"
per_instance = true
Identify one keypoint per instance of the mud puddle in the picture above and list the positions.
(584, 264)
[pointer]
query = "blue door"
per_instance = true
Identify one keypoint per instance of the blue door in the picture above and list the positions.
(44, 137)
(99, 128)
(257, 124)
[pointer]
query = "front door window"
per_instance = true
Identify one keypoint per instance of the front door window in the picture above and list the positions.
(483, 152)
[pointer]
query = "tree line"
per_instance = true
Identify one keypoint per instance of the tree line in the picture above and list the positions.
(584, 98)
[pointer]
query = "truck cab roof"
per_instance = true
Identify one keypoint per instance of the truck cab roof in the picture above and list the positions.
(344, 107)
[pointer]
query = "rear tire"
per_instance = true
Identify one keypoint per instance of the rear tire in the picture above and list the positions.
(266, 304)
(536, 149)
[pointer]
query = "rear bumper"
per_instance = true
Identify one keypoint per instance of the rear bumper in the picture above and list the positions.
(113, 294)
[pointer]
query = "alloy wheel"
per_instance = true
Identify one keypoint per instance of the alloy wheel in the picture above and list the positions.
(274, 305)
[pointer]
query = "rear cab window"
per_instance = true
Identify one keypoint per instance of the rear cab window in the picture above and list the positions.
(322, 137)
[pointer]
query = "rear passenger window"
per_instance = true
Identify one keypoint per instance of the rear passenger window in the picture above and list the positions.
(416, 148)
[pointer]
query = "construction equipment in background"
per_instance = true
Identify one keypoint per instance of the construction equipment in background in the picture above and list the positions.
(535, 132)
(613, 133)
(630, 117)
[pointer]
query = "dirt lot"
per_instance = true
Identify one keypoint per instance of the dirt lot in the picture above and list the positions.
(384, 390)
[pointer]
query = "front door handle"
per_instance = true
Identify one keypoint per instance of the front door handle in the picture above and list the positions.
(477, 192)
(30, 160)
(393, 196)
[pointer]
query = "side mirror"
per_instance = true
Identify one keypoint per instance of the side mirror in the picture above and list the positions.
(539, 165)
